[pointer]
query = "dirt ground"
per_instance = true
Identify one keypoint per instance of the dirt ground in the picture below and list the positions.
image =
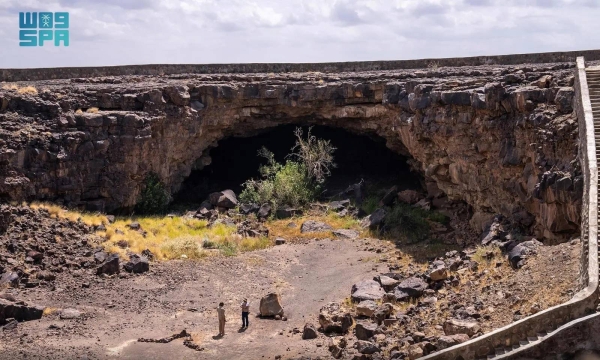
(179, 295)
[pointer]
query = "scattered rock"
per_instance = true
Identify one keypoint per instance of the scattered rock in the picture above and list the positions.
(366, 308)
(249, 208)
(314, 226)
(279, 241)
(339, 205)
(137, 264)
(387, 282)
(366, 347)
(410, 288)
(374, 220)
(454, 326)
(447, 341)
(364, 330)
(333, 320)
(19, 311)
(367, 290)
(264, 211)
(346, 234)
(286, 212)
(68, 314)
(438, 271)
(309, 332)
(110, 266)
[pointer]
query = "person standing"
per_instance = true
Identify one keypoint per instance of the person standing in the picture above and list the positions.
(222, 321)
(245, 311)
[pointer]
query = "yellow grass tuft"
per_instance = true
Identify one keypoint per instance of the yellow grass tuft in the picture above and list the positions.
(280, 228)
(29, 90)
(10, 87)
(49, 311)
(79, 111)
(92, 110)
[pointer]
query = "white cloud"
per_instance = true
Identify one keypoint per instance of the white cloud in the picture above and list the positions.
(113, 32)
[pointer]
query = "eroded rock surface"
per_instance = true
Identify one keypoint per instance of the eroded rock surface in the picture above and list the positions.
(502, 138)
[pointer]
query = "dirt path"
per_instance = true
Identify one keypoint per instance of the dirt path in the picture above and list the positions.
(181, 295)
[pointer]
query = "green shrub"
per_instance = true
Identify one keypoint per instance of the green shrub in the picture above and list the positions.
(296, 182)
(154, 198)
(370, 204)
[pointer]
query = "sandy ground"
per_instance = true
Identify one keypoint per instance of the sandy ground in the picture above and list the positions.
(181, 295)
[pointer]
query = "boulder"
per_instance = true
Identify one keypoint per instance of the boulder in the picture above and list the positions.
(564, 100)
(69, 314)
(447, 341)
(410, 288)
(383, 312)
(19, 311)
(519, 252)
(454, 326)
(309, 332)
(137, 264)
(204, 206)
(438, 271)
(270, 305)
(286, 211)
(367, 290)
(333, 320)
(279, 241)
(339, 205)
(225, 199)
(264, 211)
(110, 266)
(314, 226)
(9, 279)
(346, 234)
(415, 352)
(100, 257)
(249, 208)
(366, 347)
(366, 308)
(373, 220)
(364, 330)
(408, 196)
(134, 225)
(387, 282)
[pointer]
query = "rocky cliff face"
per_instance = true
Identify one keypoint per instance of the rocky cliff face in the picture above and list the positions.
(502, 138)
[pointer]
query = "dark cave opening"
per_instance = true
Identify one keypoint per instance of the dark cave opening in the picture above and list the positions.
(357, 157)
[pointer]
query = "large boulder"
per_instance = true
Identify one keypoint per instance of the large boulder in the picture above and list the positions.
(9, 279)
(410, 288)
(339, 205)
(286, 211)
(270, 305)
(373, 220)
(110, 266)
(137, 264)
(314, 226)
(367, 290)
(225, 199)
(249, 208)
(264, 211)
(455, 326)
(333, 320)
(387, 282)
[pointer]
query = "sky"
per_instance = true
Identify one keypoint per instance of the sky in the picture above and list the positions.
(118, 32)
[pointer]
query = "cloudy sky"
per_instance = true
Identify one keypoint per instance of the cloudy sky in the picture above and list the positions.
(114, 32)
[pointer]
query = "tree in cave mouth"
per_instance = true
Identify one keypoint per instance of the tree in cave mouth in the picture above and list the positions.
(236, 159)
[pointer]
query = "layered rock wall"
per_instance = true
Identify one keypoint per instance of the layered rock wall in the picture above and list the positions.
(502, 138)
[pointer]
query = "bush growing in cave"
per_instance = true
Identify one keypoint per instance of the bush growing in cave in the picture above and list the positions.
(298, 181)
(154, 198)
(411, 222)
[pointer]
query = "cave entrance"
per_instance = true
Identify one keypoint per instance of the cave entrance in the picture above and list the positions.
(357, 157)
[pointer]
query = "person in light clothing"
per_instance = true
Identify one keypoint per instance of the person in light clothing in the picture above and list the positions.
(222, 320)
(245, 311)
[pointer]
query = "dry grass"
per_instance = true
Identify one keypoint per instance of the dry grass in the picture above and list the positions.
(92, 110)
(29, 90)
(49, 311)
(280, 228)
(10, 87)
(79, 111)
(75, 216)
